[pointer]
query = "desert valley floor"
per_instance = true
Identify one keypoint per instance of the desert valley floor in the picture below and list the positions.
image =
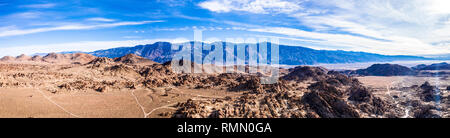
(133, 87)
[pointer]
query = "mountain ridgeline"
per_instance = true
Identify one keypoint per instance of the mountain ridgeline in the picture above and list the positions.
(422, 70)
(289, 55)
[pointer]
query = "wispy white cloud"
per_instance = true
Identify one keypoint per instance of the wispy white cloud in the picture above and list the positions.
(174, 3)
(203, 28)
(26, 15)
(380, 26)
(15, 32)
(438, 7)
(40, 6)
(228, 22)
(100, 19)
(252, 6)
(397, 44)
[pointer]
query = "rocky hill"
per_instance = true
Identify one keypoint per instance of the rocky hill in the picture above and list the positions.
(328, 95)
(439, 69)
(54, 58)
(386, 70)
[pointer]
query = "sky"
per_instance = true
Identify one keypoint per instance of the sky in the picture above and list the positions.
(391, 27)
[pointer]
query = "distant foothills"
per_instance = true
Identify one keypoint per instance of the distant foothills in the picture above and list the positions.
(289, 55)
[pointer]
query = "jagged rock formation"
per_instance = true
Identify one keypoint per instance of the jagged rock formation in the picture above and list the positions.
(101, 60)
(327, 97)
(426, 111)
(429, 93)
(426, 101)
(306, 73)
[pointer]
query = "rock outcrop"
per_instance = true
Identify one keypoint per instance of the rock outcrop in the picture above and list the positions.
(327, 97)
(429, 93)
(385, 70)
(302, 73)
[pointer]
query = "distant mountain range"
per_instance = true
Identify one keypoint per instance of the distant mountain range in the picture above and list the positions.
(437, 69)
(289, 55)
(439, 56)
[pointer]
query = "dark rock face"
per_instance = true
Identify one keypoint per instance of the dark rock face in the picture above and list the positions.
(367, 102)
(101, 60)
(323, 86)
(429, 93)
(385, 70)
(426, 112)
(247, 83)
(360, 94)
(448, 88)
(246, 106)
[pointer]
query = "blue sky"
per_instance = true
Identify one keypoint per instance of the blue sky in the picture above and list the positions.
(407, 27)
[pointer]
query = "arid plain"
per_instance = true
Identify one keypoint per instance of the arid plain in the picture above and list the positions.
(85, 86)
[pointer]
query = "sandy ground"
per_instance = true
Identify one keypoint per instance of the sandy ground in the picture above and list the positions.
(147, 103)
(401, 81)
(35, 103)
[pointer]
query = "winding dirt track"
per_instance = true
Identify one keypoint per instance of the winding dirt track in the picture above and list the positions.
(37, 103)
(149, 113)
(388, 88)
(62, 108)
